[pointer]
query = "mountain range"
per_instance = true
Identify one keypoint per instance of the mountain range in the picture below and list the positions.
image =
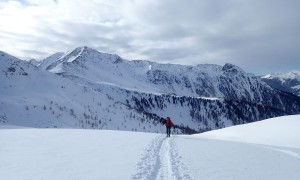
(289, 82)
(85, 88)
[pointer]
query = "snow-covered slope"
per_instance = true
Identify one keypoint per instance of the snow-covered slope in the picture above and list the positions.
(33, 97)
(49, 60)
(228, 81)
(157, 88)
(280, 131)
(85, 88)
(289, 82)
(35, 62)
(101, 154)
(269, 149)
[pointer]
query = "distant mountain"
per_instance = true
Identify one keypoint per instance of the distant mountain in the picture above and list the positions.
(85, 88)
(289, 82)
(49, 60)
(33, 97)
(34, 62)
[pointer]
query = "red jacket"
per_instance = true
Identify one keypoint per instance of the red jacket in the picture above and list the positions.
(169, 123)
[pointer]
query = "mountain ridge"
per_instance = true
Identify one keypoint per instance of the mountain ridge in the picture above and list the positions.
(88, 89)
(289, 81)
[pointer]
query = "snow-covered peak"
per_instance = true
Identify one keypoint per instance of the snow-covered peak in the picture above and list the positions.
(49, 60)
(268, 76)
(88, 54)
(72, 55)
(35, 62)
(81, 57)
(96, 86)
(205, 80)
(7, 57)
(289, 81)
(284, 76)
(291, 75)
(11, 65)
(230, 68)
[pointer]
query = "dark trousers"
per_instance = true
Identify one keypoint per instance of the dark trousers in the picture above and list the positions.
(168, 131)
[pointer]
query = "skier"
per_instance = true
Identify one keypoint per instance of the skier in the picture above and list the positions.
(168, 124)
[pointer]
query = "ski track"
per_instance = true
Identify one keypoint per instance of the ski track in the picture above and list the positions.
(287, 152)
(179, 169)
(161, 161)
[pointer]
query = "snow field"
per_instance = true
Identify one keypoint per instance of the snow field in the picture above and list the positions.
(229, 154)
(225, 160)
(280, 131)
(70, 154)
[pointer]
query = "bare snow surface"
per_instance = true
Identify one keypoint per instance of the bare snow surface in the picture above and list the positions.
(263, 150)
(279, 131)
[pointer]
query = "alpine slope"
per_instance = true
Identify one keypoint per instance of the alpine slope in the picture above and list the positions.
(268, 149)
(88, 89)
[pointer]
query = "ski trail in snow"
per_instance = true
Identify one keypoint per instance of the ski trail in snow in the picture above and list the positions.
(161, 161)
(287, 152)
(149, 163)
(165, 171)
(180, 171)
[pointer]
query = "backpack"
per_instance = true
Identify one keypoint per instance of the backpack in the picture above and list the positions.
(169, 123)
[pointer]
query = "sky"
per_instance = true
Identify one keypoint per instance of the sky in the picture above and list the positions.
(260, 36)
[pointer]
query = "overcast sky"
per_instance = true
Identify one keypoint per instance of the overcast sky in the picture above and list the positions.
(260, 36)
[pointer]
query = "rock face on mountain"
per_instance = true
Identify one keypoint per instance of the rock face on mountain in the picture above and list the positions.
(106, 91)
(289, 82)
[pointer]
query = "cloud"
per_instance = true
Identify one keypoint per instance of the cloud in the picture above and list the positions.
(258, 35)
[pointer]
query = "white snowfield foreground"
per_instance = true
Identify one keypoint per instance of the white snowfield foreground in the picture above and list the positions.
(257, 151)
